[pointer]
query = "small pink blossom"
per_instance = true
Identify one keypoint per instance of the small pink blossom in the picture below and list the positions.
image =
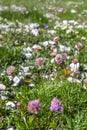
(64, 55)
(68, 68)
(52, 47)
(39, 61)
(10, 70)
(79, 45)
(75, 61)
(18, 105)
(53, 54)
(34, 106)
(58, 59)
(56, 39)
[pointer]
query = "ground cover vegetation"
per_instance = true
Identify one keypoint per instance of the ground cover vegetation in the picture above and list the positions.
(43, 65)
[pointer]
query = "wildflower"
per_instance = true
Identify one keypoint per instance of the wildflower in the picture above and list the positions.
(28, 55)
(56, 105)
(10, 128)
(25, 69)
(31, 85)
(10, 105)
(53, 54)
(2, 87)
(34, 106)
(73, 80)
(46, 26)
(37, 47)
(10, 70)
(58, 59)
(74, 65)
(52, 47)
(64, 55)
(73, 11)
(39, 61)
(78, 45)
(45, 44)
(35, 32)
(34, 26)
(75, 61)
(63, 48)
(18, 105)
(56, 39)
(51, 32)
(16, 81)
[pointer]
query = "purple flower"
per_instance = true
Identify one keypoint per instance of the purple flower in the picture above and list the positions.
(46, 26)
(34, 106)
(56, 105)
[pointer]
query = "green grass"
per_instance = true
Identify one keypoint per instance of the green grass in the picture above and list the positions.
(72, 95)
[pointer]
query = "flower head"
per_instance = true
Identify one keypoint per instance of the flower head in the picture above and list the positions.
(37, 47)
(39, 61)
(58, 59)
(56, 105)
(78, 45)
(34, 106)
(56, 39)
(10, 70)
(2, 87)
(46, 26)
(74, 65)
(75, 61)
(18, 105)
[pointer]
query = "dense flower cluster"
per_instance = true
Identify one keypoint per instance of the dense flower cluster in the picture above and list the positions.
(56, 105)
(34, 106)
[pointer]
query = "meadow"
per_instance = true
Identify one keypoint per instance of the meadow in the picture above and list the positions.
(43, 65)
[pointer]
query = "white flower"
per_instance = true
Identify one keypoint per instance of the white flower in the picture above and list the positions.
(52, 60)
(3, 97)
(49, 15)
(64, 48)
(45, 43)
(11, 128)
(34, 26)
(74, 67)
(36, 47)
(28, 49)
(35, 32)
(73, 11)
(70, 79)
(51, 32)
(51, 42)
(55, 50)
(31, 85)
(10, 105)
(16, 81)
(28, 55)
(2, 87)
(65, 22)
(26, 69)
